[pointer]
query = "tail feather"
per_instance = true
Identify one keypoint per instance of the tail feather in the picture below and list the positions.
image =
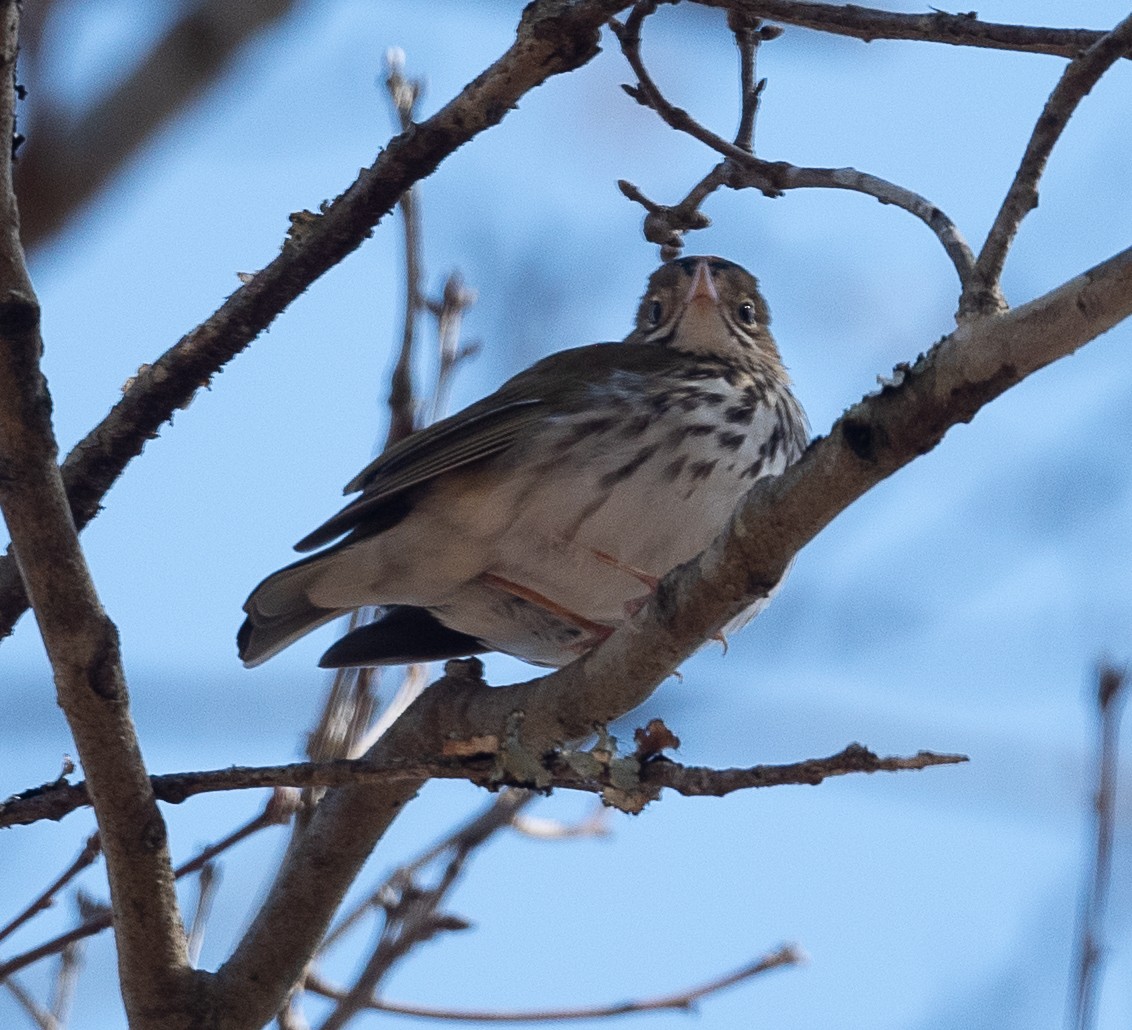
(279, 613)
(403, 634)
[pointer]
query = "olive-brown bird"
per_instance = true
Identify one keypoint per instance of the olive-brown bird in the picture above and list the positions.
(535, 521)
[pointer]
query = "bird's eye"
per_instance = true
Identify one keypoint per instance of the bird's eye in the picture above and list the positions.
(746, 313)
(655, 312)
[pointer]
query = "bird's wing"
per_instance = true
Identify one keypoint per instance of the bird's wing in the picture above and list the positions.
(481, 431)
(442, 447)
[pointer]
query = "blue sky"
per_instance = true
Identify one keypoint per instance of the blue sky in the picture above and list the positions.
(959, 606)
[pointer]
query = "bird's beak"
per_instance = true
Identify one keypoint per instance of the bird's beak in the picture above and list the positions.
(702, 290)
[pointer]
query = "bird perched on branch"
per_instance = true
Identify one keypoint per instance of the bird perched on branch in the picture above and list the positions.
(538, 519)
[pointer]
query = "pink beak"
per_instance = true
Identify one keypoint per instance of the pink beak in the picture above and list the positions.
(702, 289)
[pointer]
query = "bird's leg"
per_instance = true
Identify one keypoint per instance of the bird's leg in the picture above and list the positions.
(637, 603)
(596, 629)
(634, 604)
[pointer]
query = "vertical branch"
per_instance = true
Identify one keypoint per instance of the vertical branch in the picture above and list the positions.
(749, 33)
(404, 94)
(1110, 699)
(81, 641)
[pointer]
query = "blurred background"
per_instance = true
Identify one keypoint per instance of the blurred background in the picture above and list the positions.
(961, 606)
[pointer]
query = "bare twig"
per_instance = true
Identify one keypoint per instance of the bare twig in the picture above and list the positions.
(207, 883)
(741, 169)
(1111, 692)
(66, 980)
(480, 765)
(868, 24)
(86, 857)
(1081, 75)
(42, 1017)
(749, 33)
(404, 95)
(279, 809)
(552, 38)
(680, 1001)
(455, 299)
(412, 911)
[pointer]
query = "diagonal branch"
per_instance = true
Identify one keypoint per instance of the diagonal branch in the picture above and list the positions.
(1081, 75)
(552, 37)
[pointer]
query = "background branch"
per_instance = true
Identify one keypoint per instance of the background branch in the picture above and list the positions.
(1111, 693)
(70, 157)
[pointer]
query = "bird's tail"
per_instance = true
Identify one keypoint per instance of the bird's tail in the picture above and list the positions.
(279, 612)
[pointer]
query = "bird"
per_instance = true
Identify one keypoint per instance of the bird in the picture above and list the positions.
(537, 520)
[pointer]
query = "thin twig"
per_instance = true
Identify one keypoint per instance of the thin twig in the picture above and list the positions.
(480, 766)
(86, 857)
(278, 809)
(404, 95)
(1110, 696)
(772, 178)
(681, 1001)
(412, 911)
(207, 883)
(455, 299)
(42, 1017)
(1081, 75)
(66, 980)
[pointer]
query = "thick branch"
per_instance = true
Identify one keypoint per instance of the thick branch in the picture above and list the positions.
(81, 641)
(868, 24)
(553, 37)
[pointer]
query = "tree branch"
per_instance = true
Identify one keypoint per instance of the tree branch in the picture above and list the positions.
(868, 24)
(91, 850)
(481, 765)
(742, 169)
(1112, 686)
(81, 641)
(553, 37)
(682, 1001)
(1081, 75)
